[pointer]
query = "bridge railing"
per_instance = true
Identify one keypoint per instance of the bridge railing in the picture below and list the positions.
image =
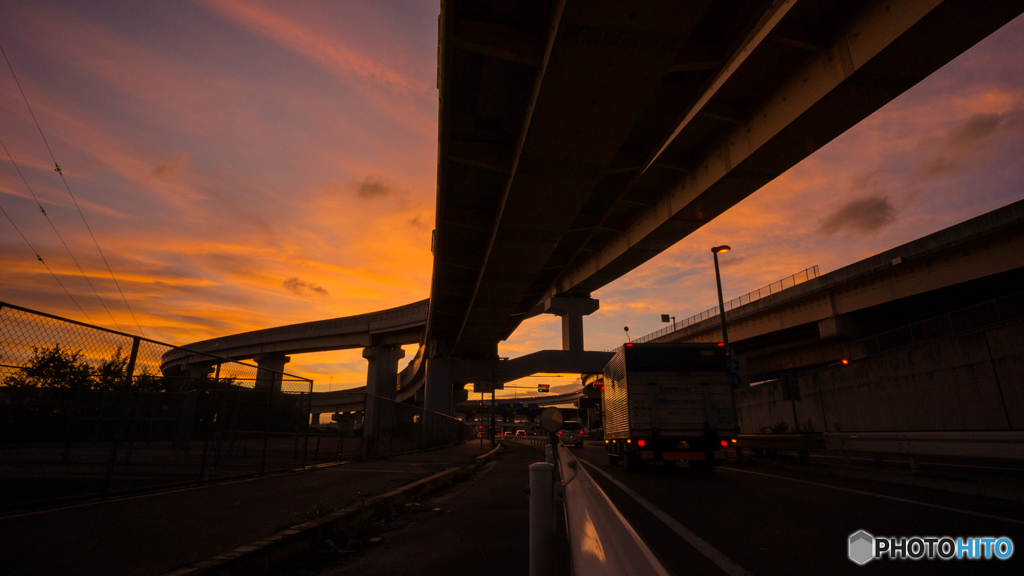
(753, 296)
(86, 411)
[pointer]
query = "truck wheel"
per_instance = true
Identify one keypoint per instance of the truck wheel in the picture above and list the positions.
(632, 461)
(613, 460)
(702, 466)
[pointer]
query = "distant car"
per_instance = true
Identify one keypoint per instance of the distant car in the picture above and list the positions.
(571, 433)
(520, 432)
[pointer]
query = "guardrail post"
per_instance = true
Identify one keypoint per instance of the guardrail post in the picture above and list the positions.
(542, 519)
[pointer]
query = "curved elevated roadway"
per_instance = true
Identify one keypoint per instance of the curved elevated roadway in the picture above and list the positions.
(380, 335)
(392, 327)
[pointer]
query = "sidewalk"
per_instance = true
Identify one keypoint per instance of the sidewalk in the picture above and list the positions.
(482, 527)
(154, 534)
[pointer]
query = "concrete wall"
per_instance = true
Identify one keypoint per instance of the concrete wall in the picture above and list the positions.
(969, 382)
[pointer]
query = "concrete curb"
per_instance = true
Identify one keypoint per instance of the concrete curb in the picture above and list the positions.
(271, 553)
(484, 457)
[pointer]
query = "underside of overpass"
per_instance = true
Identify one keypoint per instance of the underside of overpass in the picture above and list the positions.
(579, 139)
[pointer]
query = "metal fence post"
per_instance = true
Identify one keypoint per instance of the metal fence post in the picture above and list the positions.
(266, 430)
(309, 414)
(542, 520)
(113, 449)
(129, 371)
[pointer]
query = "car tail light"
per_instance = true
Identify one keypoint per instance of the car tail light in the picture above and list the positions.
(721, 343)
(641, 443)
(559, 432)
(725, 442)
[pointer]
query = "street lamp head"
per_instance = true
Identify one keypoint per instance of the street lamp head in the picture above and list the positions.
(720, 249)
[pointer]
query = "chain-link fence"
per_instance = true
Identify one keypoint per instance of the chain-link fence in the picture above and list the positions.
(367, 426)
(86, 411)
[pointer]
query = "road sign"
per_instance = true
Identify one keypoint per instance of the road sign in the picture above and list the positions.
(543, 387)
(666, 318)
(551, 419)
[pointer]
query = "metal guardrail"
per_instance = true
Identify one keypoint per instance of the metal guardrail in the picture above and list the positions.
(753, 296)
(537, 442)
(602, 541)
(1008, 445)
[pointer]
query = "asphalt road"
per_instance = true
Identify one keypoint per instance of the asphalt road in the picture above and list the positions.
(770, 521)
(476, 527)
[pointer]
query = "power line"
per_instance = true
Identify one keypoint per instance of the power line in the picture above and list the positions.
(40, 258)
(66, 186)
(73, 259)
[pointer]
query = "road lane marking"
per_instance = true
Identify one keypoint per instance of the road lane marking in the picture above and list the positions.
(702, 546)
(939, 506)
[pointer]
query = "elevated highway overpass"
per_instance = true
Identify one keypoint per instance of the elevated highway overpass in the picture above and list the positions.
(963, 266)
(577, 140)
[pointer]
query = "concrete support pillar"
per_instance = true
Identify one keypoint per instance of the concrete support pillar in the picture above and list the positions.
(572, 311)
(381, 389)
(438, 386)
(270, 367)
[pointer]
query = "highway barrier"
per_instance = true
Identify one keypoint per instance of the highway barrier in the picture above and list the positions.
(1008, 445)
(603, 542)
(802, 443)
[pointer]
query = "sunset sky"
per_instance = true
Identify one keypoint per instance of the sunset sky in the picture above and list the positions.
(244, 166)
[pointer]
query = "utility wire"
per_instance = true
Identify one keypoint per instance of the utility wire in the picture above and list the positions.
(40, 258)
(66, 186)
(75, 260)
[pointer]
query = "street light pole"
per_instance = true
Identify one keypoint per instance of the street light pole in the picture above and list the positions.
(721, 301)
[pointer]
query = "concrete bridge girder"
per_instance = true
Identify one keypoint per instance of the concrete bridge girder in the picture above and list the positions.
(445, 373)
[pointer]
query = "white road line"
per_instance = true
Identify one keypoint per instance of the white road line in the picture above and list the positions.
(702, 546)
(938, 506)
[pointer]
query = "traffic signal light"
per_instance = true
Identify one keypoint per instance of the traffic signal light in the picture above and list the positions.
(543, 387)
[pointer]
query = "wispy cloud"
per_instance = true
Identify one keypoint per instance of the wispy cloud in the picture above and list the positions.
(301, 287)
(863, 216)
(371, 187)
(331, 53)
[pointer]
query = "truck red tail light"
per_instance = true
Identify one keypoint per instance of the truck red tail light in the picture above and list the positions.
(725, 442)
(559, 432)
(641, 443)
(721, 343)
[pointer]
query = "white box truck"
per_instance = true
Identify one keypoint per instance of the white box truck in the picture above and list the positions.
(668, 403)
